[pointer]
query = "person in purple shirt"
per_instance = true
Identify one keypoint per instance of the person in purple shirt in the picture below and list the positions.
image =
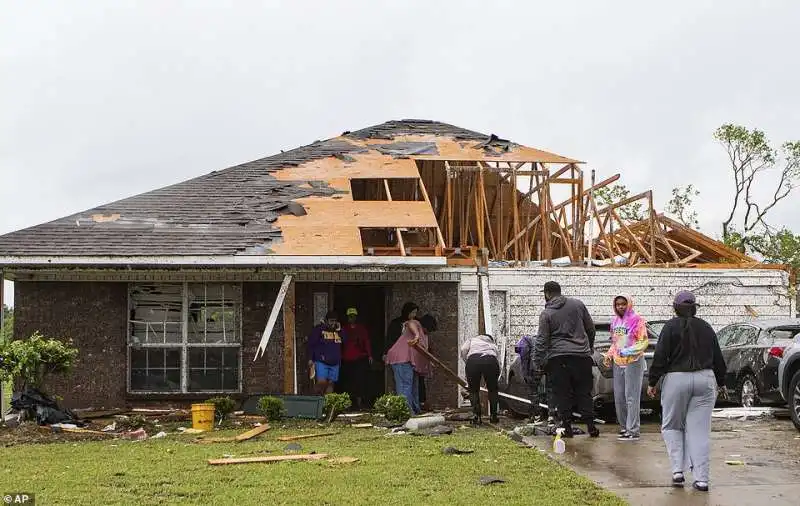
(325, 353)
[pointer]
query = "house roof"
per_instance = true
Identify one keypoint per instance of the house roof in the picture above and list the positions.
(270, 205)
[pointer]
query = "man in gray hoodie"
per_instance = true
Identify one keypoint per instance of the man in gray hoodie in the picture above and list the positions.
(564, 351)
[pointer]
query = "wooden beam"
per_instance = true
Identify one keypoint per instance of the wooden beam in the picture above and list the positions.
(274, 458)
(521, 233)
(273, 316)
(396, 230)
(624, 202)
(488, 218)
(449, 203)
(636, 241)
(515, 211)
(439, 236)
(289, 342)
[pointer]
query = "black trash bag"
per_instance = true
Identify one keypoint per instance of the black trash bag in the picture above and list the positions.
(38, 406)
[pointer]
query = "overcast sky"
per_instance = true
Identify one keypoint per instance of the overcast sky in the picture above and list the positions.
(101, 100)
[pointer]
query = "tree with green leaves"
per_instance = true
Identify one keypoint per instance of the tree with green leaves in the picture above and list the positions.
(7, 332)
(752, 161)
(608, 195)
(681, 205)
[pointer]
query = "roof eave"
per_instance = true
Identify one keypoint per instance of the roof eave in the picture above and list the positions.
(220, 261)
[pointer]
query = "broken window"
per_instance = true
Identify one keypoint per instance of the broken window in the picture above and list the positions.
(185, 337)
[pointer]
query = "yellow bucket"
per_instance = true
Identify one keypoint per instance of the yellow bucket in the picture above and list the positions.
(203, 416)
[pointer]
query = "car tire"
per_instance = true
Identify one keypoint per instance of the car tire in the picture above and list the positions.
(747, 391)
(794, 399)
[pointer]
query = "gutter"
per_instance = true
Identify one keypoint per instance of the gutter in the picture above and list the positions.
(231, 260)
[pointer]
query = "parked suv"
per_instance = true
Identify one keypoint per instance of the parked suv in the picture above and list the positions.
(789, 379)
(602, 376)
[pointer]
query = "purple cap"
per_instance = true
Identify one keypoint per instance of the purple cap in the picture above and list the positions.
(685, 298)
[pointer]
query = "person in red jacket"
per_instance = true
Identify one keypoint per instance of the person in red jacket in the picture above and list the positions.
(356, 359)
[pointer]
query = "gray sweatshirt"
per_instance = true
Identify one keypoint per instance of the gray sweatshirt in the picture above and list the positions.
(565, 328)
(479, 345)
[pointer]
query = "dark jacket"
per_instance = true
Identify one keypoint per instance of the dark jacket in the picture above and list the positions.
(673, 354)
(565, 328)
(325, 345)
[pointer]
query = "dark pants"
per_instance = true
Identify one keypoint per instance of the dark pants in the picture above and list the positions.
(488, 368)
(539, 392)
(571, 377)
(354, 377)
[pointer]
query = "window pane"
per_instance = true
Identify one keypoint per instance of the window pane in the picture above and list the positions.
(155, 313)
(214, 312)
(155, 369)
(213, 368)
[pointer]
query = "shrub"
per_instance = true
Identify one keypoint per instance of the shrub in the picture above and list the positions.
(223, 406)
(29, 361)
(393, 407)
(271, 407)
(335, 404)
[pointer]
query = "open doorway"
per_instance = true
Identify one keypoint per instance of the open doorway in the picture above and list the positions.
(370, 302)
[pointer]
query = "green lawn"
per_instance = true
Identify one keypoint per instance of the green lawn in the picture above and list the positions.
(392, 470)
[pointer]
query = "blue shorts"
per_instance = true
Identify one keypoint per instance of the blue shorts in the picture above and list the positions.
(326, 372)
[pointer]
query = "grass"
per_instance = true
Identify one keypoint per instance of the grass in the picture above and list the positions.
(392, 470)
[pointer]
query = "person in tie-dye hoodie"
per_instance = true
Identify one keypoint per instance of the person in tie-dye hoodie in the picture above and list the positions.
(628, 344)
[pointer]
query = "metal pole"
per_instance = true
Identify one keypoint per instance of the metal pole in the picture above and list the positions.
(591, 220)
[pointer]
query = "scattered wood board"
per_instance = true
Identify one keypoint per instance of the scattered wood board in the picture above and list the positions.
(277, 458)
(210, 440)
(90, 415)
(252, 433)
(85, 431)
(362, 425)
(306, 436)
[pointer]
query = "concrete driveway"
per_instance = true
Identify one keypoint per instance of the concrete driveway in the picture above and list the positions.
(640, 473)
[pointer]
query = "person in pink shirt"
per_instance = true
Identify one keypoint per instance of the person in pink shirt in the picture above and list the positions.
(408, 364)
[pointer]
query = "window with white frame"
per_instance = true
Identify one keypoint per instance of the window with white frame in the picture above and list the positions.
(185, 337)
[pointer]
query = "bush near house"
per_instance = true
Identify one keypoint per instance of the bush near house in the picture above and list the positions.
(271, 407)
(393, 407)
(223, 407)
(28, 362)
(335, 404)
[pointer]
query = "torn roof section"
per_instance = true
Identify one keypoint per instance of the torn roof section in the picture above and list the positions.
(273, 205)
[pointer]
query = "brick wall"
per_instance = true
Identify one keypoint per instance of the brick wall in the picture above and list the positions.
(265, 374)
(94, 316)
(440, 300)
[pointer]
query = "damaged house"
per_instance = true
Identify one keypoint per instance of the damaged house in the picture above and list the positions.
(211, 285)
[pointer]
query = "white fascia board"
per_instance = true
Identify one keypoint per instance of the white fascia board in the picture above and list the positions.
(232, 260)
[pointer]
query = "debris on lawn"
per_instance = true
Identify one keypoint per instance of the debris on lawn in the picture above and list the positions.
(306, 436)
(438, 430)
(424, 422)
(135, 435)
(450, 450)
(112, 427)
(160, 435)
(734, 462)
(35, 404)
(362, 425)
(488, 480)
(277, 458)
(253, 433)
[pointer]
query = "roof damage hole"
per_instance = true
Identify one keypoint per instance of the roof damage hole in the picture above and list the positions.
(406, 189)
(399, 241)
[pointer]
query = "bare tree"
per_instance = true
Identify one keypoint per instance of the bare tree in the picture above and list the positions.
(751, 155)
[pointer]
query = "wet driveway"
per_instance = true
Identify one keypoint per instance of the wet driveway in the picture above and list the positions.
(639, 471)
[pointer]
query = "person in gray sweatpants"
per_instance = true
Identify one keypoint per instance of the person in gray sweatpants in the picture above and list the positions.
(689, 364)
(629, 341)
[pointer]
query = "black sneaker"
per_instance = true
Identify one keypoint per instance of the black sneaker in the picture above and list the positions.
(628, 437)
(476, 420)
(678, 480)
(593, 431)
(701, 486)
(494, 419)
(622, 432)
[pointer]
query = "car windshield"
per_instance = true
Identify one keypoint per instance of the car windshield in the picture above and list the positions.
(787, 333)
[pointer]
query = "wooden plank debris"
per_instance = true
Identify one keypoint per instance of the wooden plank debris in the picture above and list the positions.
(306, 436)
(253, 432)
(276, 458)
